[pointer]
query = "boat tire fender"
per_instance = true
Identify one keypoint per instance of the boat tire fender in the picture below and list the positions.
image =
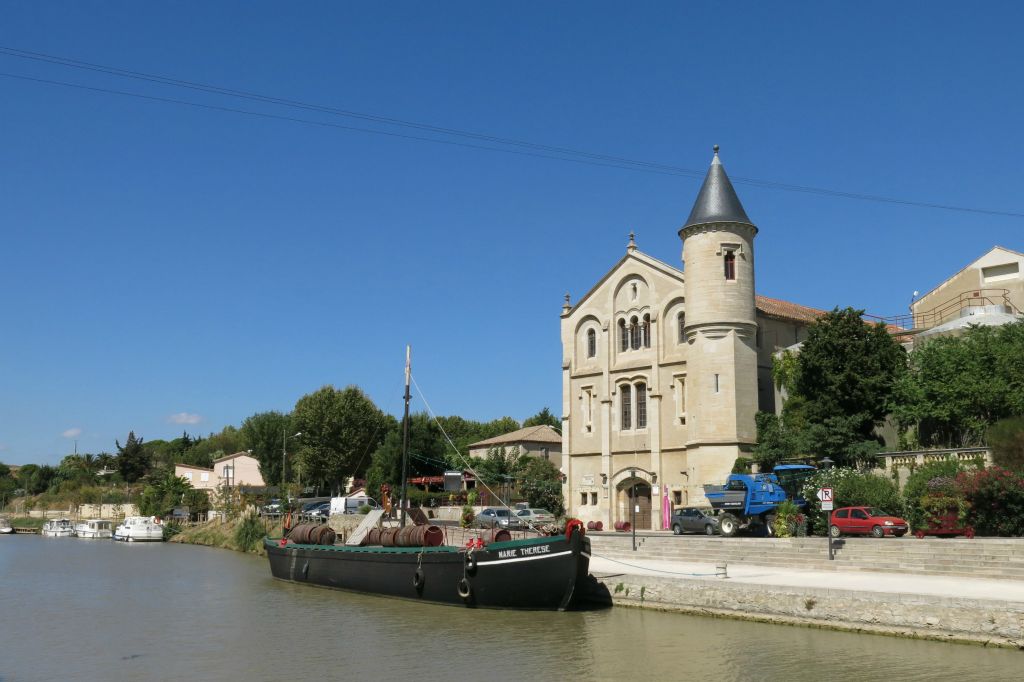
(464, 589)
(417, 579)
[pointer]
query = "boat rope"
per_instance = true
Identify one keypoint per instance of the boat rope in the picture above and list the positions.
(647, 568)
(466, 462)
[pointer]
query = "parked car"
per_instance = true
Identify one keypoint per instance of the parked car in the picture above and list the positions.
(496, 517)
(271, 507)
(320, 509)
(866, 521)
(536, 517)
(693, 520)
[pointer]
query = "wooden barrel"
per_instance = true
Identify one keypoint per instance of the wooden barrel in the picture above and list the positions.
(387, 537)
(433, 536)
(373, 537)
(622, 526)
(497, 535)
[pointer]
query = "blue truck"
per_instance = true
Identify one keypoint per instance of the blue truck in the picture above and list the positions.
(750, 501)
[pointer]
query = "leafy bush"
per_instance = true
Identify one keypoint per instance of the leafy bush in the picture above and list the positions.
(996, 498)
(364, 509)
(790, 521)
(930, 479)
(850, 488)
(742, 465)
(249, 533)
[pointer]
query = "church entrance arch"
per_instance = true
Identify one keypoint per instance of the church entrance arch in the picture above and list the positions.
(634, 491)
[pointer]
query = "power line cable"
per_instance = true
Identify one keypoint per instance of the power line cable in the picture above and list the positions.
(553, 152)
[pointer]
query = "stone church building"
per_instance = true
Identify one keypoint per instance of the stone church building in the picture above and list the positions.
(664, 368)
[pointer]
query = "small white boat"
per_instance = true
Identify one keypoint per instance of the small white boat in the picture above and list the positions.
(5, 526)
(58, 528)
(140, 529)
(94, 528)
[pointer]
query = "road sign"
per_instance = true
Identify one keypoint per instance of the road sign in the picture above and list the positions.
(825, 495)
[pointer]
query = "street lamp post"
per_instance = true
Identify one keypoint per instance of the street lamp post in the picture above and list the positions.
(827, 464)
(632, 502)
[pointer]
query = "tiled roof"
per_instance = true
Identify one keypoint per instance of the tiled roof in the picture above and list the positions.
(532, 434)
(785, 310)
(237, 454)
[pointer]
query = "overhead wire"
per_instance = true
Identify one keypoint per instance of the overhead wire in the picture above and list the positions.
(550, 152)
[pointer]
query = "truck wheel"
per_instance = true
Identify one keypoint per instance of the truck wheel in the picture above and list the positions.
(834, 531)
(676, 529)
(877, 532)
(728, 525)
(709, 529)
(769, 525)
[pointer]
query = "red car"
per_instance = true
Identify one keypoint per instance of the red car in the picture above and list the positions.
(866, 521)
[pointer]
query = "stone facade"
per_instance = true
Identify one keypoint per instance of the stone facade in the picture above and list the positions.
(662, 373)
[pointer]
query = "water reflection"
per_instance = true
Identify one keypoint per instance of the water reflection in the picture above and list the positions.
(98, 610)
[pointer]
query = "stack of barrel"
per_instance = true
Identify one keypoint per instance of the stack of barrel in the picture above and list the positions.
(312, 534)
(622, 526)
(409, 536)
(595, 525)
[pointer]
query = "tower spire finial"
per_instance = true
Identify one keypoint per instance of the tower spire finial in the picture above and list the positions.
(631, 247)
(715, 148)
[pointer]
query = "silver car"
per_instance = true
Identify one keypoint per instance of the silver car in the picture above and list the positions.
(496, 517)
(536, 517)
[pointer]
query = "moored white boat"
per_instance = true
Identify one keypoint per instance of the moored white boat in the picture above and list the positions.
(5, 526)
(94, 529)
(140, 529)
(58, 528)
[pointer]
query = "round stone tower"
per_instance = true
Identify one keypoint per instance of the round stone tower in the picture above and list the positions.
(720, 328)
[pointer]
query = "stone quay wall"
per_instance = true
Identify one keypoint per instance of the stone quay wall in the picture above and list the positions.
(979, 621)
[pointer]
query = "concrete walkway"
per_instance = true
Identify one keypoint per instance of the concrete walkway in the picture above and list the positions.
(875, 581)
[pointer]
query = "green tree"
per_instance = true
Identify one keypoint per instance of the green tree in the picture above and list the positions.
(264, 434)
(228, 441)
(426, 453)
(544, 417)
(958, 386)
(338, 428)
(132, 460)
(541, 484)
(846, 378)
(162, 494)
(1006, 438)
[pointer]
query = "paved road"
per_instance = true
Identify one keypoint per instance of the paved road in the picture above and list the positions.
(873, 581)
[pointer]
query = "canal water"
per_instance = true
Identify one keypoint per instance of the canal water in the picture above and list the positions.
(75, 609)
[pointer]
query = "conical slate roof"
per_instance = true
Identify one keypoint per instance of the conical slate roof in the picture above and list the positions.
(717, 201)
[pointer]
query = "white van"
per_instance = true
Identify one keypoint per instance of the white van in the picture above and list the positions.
(351, 505)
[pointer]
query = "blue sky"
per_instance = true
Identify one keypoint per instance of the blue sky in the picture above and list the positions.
(166, 267)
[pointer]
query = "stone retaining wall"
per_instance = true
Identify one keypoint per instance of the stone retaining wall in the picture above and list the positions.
(920, 616)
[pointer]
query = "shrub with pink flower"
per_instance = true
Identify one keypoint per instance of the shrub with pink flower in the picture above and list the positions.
(996, 499)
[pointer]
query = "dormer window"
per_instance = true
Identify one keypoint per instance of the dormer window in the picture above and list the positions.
(730, 265)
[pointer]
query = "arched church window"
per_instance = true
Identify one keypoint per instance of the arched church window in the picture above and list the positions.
(641, 406)
(591, 343)
(645, 332)
(626, 400)
(730, 265)
(623, 336)
(634, 334)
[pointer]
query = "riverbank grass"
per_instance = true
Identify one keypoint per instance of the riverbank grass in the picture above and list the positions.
(236, 534)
